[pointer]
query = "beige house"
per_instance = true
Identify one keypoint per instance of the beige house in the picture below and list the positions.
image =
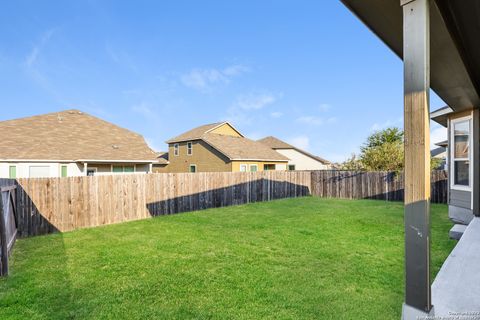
(298, 159)
(70, 143)
(220, 147)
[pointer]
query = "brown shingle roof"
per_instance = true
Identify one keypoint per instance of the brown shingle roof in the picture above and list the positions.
(276, 143)
(234, 148)
(70, 135)
(195, 133)
(241, 148)
(162, 157)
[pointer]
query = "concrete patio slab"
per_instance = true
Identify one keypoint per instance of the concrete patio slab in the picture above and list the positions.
(456, 288)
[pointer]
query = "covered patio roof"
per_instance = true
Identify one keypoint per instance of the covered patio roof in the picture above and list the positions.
(438, 41)
(454, 45)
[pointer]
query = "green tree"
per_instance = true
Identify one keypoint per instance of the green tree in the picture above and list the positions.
(383, 151)
(379, 138)
(352, 164)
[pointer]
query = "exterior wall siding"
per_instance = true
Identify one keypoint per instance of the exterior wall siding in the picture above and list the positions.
(206, 158)
(55, 168)
(302, 161)
(160, 168)
(278, 165)
(460, 198)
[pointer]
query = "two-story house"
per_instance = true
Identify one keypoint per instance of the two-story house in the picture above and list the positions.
(222, 148)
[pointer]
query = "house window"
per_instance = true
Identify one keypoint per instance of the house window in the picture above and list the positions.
(461, 152)
(63, 171)
(128, 169)
(91, 172)
(268, 167)
(12, 172)
(175, 149)
(243, 168)
(122, 169)
(291, 167)
(193, 168)
(189, 148)
(253, 168)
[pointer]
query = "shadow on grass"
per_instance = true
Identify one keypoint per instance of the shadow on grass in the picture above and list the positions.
(242, 193)
(39, 285)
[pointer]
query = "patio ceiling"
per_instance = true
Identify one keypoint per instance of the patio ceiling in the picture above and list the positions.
(454, 44)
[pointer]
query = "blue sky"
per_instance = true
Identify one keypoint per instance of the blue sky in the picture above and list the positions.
(307, 72)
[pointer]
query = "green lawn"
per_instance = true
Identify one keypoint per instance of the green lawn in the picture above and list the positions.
(301, 258)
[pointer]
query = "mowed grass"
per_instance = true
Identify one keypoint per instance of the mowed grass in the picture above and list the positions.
(305, 258)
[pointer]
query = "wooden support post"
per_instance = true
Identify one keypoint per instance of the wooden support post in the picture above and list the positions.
(416, 56)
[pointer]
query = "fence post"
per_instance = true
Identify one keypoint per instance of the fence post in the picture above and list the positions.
(3, 241)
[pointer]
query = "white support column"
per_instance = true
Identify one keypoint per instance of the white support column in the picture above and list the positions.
(85, 168)
(416, 57)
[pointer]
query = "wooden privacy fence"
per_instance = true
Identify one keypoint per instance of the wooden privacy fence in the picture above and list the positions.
(62, 204)
(8, 226)
(372, 185)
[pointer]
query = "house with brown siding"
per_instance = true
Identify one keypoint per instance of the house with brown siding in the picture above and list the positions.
(220, 147)
(70, 143)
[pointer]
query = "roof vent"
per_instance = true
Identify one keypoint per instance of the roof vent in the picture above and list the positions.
(115, 146)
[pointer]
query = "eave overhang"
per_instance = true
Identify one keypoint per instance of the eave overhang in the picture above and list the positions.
(454, 45)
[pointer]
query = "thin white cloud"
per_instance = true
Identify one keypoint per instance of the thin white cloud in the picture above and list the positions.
(332, 120)
(204, 80)
(235, 70)
(437, 133)
(276, 114)
(302, 142)
(32, 57)
(389, 123)
(33, 69)
(145, 110)
(243, 109)
(324, 107)
(120, 57)
(310, 120)
(255, 101)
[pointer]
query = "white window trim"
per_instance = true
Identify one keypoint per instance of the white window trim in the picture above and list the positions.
(452, 154)
(253, 165)
(176, 149)
(189, 149)
(190, 166)
(243, 165)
